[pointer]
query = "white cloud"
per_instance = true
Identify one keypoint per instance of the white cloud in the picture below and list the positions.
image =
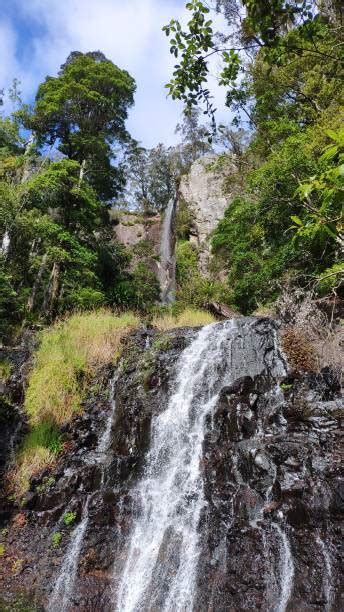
(128, 32)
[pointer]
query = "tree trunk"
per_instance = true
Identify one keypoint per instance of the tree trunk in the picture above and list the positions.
(32, 298)
(52, 290)
(26, 167)
(82, 172)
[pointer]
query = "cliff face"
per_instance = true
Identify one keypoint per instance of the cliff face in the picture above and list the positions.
(132, 229)
(202, 189)
(256, 520)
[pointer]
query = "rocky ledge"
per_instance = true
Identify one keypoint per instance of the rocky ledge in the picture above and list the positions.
(272, 476)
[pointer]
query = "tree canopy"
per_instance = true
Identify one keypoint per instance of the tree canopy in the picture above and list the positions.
(83, 111)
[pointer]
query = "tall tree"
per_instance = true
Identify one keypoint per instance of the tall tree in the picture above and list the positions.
(195, 136)
(83, 110)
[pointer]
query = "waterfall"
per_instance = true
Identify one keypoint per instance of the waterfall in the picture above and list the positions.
(327, 579)
(286, 569)
(5, 245)
(160, 571)
(167, 271)
(64, 585)
(65, 582)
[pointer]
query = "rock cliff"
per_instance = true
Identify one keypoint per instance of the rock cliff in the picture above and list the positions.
(268, 487)
(202, 189)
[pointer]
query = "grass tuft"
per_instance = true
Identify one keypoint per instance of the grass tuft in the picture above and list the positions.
(187, 318)
(67, 358)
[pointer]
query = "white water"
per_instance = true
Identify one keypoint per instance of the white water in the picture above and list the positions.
(327, 575)
(167, 259)
(104, 441)
(162, 558)
(5, 245)
(286, 569)
(65, 583)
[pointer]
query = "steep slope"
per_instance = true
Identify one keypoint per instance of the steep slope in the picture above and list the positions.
(203, 475)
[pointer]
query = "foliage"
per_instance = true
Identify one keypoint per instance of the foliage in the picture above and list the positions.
(28, 463)
(56, 539)
(193, 288)
(261, 26)
(331, 279)
(69, 518)
(323, 194)
(84, 110)
(67, 357)
(151, 176)
(59, 252)
(141, 289)
(5, 369)
(64, 363)
(184, 219)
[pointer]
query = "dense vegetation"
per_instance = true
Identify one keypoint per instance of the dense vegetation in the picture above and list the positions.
(286, 223)
(58, 248)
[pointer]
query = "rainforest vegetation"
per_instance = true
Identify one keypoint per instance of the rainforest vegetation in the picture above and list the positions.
(67, 161)
(283, 71)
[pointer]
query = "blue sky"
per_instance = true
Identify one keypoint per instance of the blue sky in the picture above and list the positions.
(37, 35)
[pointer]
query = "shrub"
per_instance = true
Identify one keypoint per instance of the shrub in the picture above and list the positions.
(69, 518)
(56, 539)
(194, 289)
(141, 289)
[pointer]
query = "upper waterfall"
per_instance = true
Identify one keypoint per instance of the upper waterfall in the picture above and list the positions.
(167, 271)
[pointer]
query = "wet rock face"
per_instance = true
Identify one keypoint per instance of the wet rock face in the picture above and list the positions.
(12, 419)
(272, 483)
(272, 460)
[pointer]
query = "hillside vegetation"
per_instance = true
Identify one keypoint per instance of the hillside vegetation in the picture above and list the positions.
(282, 68)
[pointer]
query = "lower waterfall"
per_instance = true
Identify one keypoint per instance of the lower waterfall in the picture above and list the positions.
(160, 571)
(65, 582)
(63, 589)
(285, 569)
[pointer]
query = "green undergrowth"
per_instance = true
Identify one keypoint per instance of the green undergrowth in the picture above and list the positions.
(190, 317)
(68, 356)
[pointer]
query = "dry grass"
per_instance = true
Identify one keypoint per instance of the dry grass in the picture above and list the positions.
(68, 356)
(299, 350)
(187, 318)
(29, 462)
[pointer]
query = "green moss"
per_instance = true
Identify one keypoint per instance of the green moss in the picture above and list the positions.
(69, 518)
(5, 369)
(56, 539)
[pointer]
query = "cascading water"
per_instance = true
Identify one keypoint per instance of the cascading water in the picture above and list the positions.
(167, 270)
(328, 589)
(5, 244)
(161, 564)
(64, 585)
(65, 582)
(285, 570)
